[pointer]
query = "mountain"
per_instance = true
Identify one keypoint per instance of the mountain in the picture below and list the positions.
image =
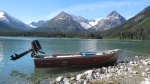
(5, 27)
(37, 24)
(12, 21)
(66, 22)
(63, 22)
(85, 23)
(137, 27)
(111, 20)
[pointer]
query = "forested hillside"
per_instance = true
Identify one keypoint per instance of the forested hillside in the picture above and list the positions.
(138, 27)
(88, 35)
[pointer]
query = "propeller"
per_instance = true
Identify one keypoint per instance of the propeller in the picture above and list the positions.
(35, 49)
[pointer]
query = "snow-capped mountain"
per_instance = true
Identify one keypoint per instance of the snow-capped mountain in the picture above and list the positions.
(93, 22)
(37, 24)
(112, 20)
(63, 22)
(12, 21)
(85, 23)
(67, 22)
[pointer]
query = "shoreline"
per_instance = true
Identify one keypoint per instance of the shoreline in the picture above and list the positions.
(136, 71)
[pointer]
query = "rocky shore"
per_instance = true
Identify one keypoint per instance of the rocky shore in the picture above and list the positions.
(136, 71)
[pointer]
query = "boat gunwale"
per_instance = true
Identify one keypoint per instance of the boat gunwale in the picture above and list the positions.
(72, 57)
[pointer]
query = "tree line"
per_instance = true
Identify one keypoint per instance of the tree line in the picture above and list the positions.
(87, 35)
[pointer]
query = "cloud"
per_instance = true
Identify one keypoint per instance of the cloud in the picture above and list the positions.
(51, 15)
(128, 17)
(96, 6)
(85, 7)
(46, 17)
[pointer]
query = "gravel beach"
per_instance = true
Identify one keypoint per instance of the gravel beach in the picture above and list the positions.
(136, 71)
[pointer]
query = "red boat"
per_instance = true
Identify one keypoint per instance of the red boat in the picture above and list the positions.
(82, 59)
(77, 59)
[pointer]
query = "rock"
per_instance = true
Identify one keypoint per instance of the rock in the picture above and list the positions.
(73, 78)
(133, 63)
(60, 78)
(120, 72)
(90, 76)
(130, 76)
(146, 81)
(47, 81)
(66, 80)
(112, 70)
(140, 66)
(85, 82)
(145, 62)
(104, 70)
(97, 75)
(111, 82)
(78, 77)
(147, 69)
(98, 70)
(144, 74)
(88, 72)
(136, 57)
(135, 72)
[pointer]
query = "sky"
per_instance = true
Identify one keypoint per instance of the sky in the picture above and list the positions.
(34, 10)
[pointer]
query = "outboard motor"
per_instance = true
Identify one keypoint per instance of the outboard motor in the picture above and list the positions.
(36, 46)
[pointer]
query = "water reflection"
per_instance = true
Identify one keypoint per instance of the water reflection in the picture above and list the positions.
(1, 54)
(18, 74)
(1, 51)
(43, 73)
(88, 45)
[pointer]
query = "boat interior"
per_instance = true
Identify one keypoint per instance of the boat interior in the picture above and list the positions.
(76, 54)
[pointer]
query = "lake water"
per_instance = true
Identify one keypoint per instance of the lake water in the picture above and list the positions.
(22, 71)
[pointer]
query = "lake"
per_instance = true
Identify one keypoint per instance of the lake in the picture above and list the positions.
(22, 71)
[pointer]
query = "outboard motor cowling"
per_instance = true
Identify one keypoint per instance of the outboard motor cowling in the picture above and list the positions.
(36, 46)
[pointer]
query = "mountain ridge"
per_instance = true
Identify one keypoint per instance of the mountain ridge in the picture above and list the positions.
(77, 23)
(12, 21)
(63, 22)
(84, 23)
(111, 20)
(37, 24)
(136, 27)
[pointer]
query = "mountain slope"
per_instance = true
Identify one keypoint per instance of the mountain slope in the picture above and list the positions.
(112, 20)
(85, 23)
(12, 21)
(138, 27)
(4, 27)
(63, 22)
(37, 24)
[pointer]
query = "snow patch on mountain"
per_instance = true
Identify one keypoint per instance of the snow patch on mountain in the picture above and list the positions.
(32, 26)
(1, 14)
(37, 24)
(111, 20)
(3, 18)
(85, 23)
(94, 22)
(12, 21)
